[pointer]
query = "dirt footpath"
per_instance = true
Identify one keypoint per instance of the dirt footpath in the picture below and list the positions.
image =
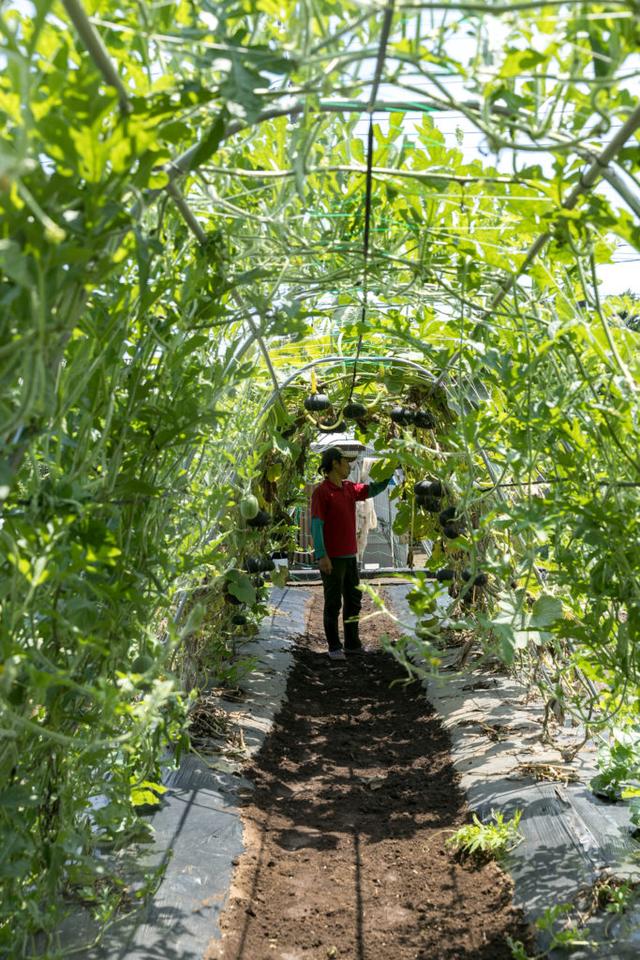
(355, 797)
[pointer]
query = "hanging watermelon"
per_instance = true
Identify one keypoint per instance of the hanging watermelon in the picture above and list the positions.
(261, 519)
(317, 402)
(249, 507)
(354, 410)
(403, 416)
(424, 419)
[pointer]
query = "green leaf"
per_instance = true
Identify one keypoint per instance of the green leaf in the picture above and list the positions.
(634, 811)
(521, 61)
(546, 610)
(210, 142)
(141, 797)
(239, 86)
(133, 485)
(607, 784)
(507, 639)
(156, 787)
(240, 586)
(19, 797)
(193, 621)
(174, 131)
(279, 576)
(14, 263)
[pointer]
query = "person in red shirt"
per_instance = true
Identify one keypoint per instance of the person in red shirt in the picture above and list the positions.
(333, 528)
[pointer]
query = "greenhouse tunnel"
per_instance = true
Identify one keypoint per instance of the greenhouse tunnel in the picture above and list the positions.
(235, 236)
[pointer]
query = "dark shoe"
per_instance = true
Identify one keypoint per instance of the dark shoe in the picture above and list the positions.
(338, 654)
(355, 652)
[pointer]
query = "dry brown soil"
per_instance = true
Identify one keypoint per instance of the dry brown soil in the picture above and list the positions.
(345, 832)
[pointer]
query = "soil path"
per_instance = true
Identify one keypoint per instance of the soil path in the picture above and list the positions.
(355, 796)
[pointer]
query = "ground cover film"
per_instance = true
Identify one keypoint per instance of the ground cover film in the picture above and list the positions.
(355, 795)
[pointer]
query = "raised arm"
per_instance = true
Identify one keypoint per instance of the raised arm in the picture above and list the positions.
(317, 533)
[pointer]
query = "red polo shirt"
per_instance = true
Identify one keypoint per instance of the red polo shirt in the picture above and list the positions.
(335, 506)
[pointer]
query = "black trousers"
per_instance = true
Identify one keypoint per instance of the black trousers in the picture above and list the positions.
(342, 585)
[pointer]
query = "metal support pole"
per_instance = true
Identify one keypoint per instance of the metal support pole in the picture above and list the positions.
(391, 533)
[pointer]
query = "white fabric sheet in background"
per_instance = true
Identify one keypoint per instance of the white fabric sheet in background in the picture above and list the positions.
(366, 518)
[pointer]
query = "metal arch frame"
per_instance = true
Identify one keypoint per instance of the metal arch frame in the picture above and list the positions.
(340, 359)
(431, 379)
(599, 164)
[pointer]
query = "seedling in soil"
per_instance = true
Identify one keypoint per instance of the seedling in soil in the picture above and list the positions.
(619, 776)
(608, 893)
(569, 936)
(612, 895)
(487, 841)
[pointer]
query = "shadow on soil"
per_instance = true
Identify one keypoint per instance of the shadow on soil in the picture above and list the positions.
(364, 747)
(355, 794)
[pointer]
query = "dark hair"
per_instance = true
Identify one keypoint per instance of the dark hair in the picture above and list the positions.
(328, 458)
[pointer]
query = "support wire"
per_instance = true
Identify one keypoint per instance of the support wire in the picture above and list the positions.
(382, 49)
